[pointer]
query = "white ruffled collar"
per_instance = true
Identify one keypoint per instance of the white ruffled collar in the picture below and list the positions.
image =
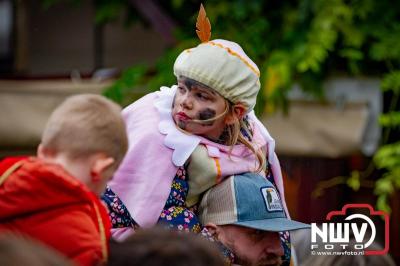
(184, 144)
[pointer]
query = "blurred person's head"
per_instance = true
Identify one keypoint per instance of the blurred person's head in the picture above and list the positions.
(17, 250)
(86, 135)
(159, 246)
(245, 213)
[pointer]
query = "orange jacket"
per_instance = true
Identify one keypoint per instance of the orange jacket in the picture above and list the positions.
(43, 201)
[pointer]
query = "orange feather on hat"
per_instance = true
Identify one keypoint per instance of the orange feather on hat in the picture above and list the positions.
(203, 26)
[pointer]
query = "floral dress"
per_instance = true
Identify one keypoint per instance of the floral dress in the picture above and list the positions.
(175, 214)
(118, 213)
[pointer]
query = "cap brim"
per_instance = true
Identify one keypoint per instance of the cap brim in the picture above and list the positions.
(274, 225)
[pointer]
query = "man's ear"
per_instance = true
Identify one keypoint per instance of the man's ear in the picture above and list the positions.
(100, 165)
(212, 229)
(43, 153)
(40, 151)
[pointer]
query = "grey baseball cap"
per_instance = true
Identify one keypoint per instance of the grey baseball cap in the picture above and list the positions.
(248, 200)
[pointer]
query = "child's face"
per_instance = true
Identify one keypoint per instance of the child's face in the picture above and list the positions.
(195, 101)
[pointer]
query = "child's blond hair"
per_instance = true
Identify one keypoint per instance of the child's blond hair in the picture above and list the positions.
(235, 136)
(85, 124)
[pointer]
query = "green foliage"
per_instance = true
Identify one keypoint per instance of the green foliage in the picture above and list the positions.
(354, 181)
(391, 81)
(388, 159)
(387, 45)
(108, 11)
(391, 119)
(382, 203)
(322, 35)
(388, 156)
(123, 87)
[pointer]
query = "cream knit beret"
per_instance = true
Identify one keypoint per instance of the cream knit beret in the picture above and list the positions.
(223, 66)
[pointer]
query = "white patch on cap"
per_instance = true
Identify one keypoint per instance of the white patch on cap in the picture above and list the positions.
(271, 199)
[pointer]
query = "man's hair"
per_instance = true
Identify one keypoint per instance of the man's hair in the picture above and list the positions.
(85, 124)
(159, 246)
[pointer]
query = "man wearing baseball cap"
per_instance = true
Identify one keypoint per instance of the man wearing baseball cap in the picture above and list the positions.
(245, 213)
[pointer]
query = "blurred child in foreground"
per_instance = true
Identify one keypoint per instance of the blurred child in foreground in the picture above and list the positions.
(160, 246)
(54, 197)
(16, 250)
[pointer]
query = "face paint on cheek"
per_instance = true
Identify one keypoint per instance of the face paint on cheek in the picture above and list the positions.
(206, 114)
(181, 124)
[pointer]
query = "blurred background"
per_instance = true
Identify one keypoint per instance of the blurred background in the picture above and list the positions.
(330, 75)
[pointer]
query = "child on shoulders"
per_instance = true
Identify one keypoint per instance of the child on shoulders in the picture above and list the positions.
(185, 139)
